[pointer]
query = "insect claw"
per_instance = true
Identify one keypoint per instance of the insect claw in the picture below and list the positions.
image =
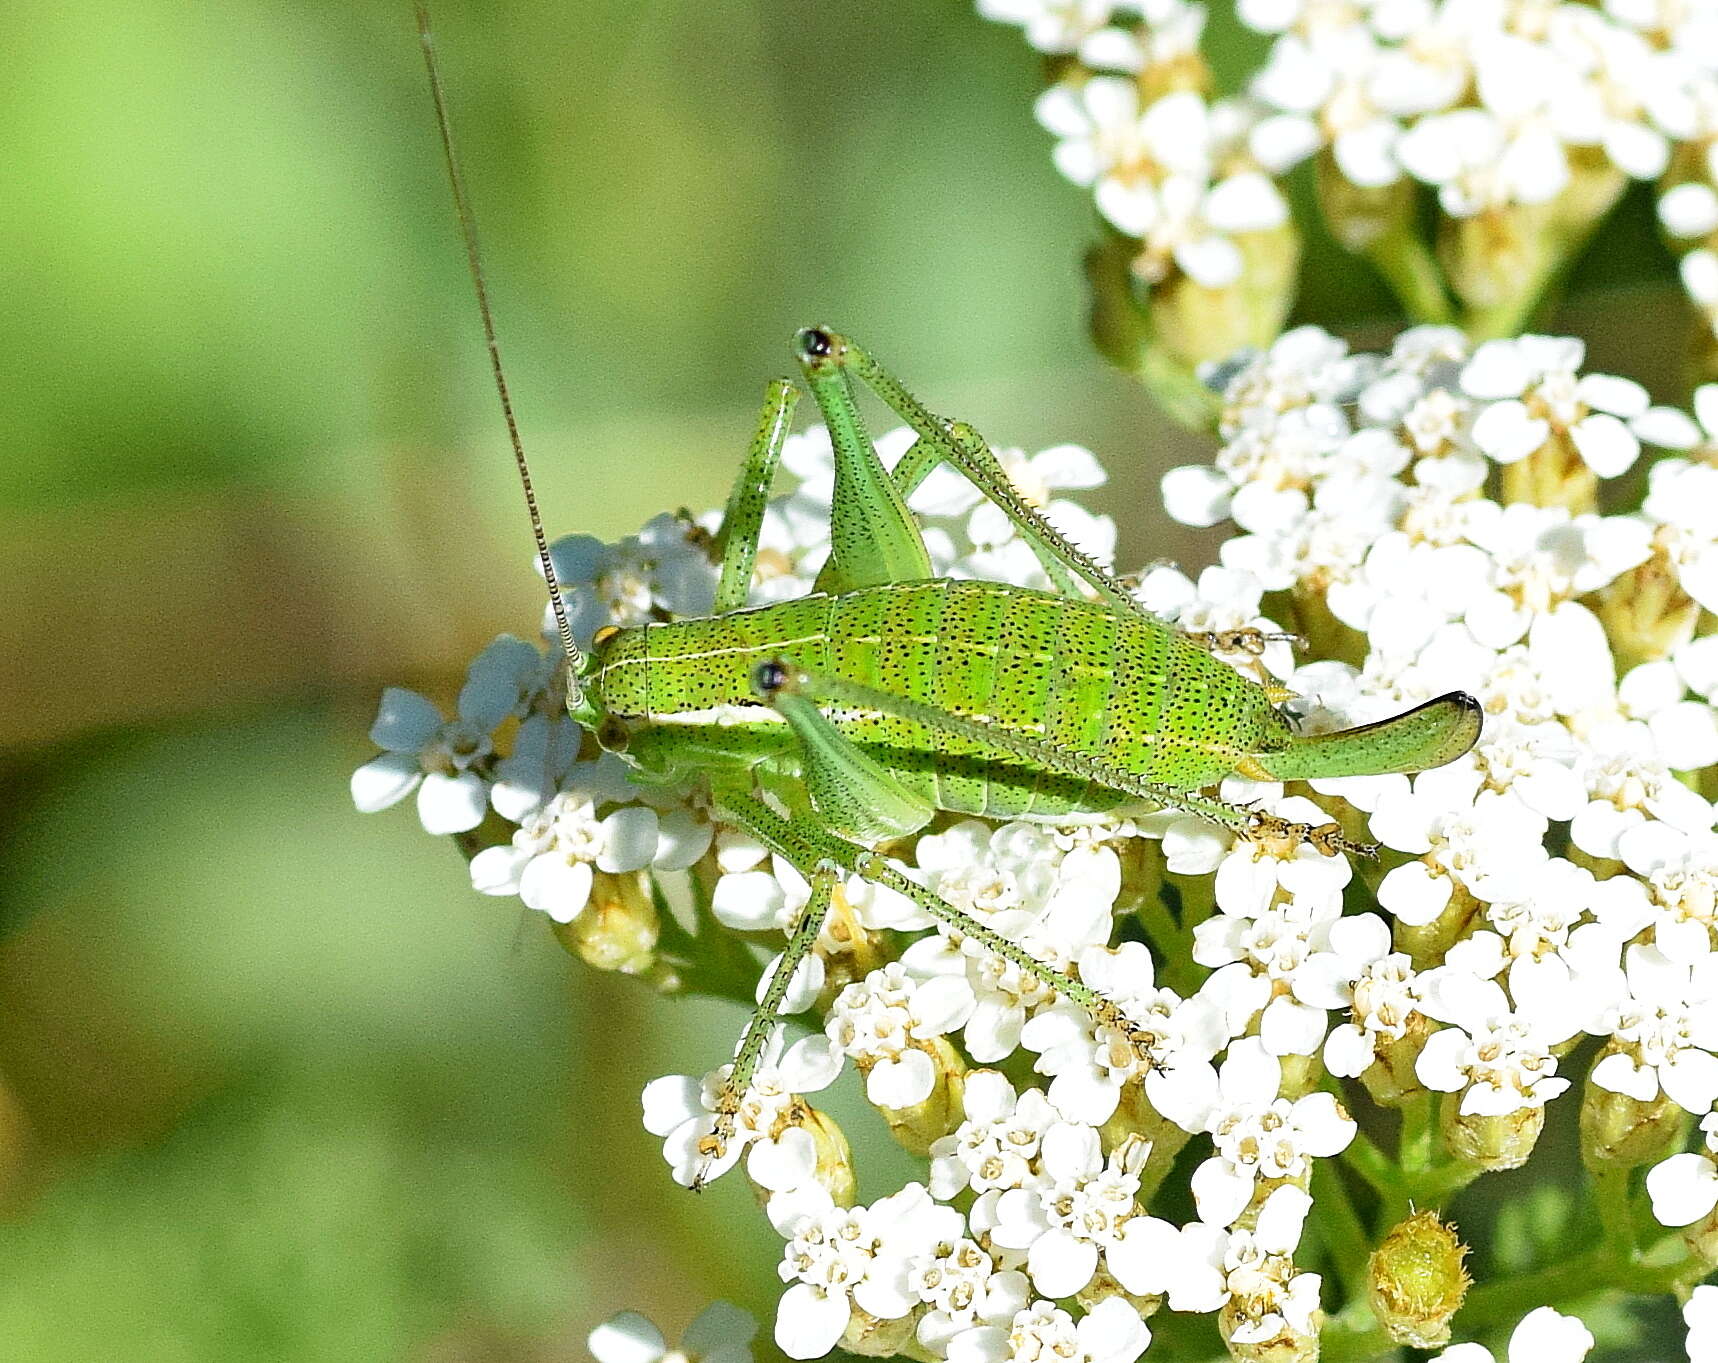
(1282, 836)
(696, 535)
(713, 1144)
(1248, 640)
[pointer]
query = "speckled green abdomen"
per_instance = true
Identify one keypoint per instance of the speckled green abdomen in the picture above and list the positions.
(1080, 676)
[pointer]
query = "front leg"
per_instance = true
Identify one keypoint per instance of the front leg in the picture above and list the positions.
(766, 1017)
(743, 518)
(823, 859)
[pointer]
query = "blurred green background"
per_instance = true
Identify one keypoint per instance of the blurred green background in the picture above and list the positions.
(274, 1083)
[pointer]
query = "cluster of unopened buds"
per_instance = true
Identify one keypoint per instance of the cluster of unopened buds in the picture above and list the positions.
(1321, 1054)
(1511, 126)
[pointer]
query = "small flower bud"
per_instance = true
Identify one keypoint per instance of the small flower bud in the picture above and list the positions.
(1142, 870)
(1326, 636)
(1646, 614)
(1500, 259)
(1159, 324)
(874, 1337)
(1416, 1281)
(618, 927)
(1555, 474)
(1301, 1074)
(1195, 324)
(1238, 1324)
(1363, 218)
(1620, 1132)
(1184, 70)
(1136, 1119)
(1702, 1239)
(1492, 1143)
(1391, 1079)
(1103, 1286)
(1595, 185)
(834, 1167)
(916, 1127)
(1496, 262)
(1427, 944)
(849, 949)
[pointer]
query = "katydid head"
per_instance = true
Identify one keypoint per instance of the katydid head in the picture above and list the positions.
(769, 679)
(577, 703)
(811, 344)
(821, 351)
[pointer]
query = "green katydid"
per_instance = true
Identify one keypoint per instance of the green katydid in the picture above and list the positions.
(825, 725)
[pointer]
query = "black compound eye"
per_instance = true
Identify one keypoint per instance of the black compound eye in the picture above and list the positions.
(613, 735)
(814, 343)
(769, 677)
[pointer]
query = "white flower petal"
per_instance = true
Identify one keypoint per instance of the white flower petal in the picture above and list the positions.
(1605, 443)
(809, 1321)
(553, 885)
(682, 838)
(1508, 432)
(1061, 1264)
(1212, 262)
(1683, 1188)
(1248, 202)
(405, 721)
(1689, 210)
(1546, 1335)
(785, 1163)
(496, 870)
(748, 901)
(669, 1101)
(629, 839)
(903, 1082)
(1197, 495)
(452, 804)
(385, 781)
(626, 1338)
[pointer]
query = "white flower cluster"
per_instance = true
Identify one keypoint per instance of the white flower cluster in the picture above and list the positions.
(1166, 165)
(1561, 880)
(577, 816)
(1494, 102)
(1572, 877)
(1174, 173)
(1359, 483)
(1547, 106)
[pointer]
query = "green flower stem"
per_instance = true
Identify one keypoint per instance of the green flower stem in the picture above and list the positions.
(715, 964)
(1436, 1186)
(1616, 1215)
(1366, 1159)
(1198, 900)
(1417, 1145)
(1162, 931)
(1412, 272)
(1353, 1336)
(1505, 319)
(1167, 1142)
(1172, 382)
(1340, 1230)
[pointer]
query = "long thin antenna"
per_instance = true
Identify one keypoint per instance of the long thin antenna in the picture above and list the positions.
(474, 258)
